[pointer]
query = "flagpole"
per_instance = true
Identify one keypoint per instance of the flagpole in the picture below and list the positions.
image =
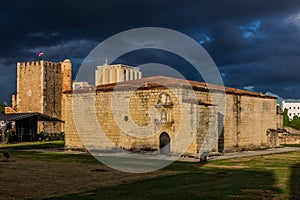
(41, 55)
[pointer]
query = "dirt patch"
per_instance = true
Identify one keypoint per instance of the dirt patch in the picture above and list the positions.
(35, 179)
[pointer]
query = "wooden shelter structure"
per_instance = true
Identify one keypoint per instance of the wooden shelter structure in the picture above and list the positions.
(26, 124)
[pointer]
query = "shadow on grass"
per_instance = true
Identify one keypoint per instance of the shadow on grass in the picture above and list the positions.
(200, 184)
(295, 182)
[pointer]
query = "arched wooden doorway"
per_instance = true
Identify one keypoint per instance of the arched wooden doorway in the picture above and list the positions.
(164, 143)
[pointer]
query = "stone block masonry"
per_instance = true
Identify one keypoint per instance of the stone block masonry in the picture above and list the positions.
(185, 114)
(40, 87)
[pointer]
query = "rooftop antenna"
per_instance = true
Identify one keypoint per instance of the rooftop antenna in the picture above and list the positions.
(105, 61)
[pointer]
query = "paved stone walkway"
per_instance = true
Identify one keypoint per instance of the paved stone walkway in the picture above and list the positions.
(224, 156)
(254, 153)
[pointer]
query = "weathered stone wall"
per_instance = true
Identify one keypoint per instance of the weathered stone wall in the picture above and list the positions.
(140, 125)
(188, 123)
(142, 119)
(289, 135)
(291, 130)
(231, 121)
(72, 139)
(30, 80)
(40, 87)
(247, 120)
(207, 130)
(130, 120)
(66, 85)
(52, 89)
(279, 117)
(288, 138)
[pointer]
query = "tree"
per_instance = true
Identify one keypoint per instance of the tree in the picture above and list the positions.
(295, 123)
(2, 105)
(286, 119)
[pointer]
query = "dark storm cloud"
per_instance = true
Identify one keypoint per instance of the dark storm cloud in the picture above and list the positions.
(255, 42)
(268, 60)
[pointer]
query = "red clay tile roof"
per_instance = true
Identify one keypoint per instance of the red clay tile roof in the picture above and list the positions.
(163, 81)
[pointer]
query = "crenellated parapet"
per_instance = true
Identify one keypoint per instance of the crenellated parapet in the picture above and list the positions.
(38, 63)
(51, 64)
(29, 63)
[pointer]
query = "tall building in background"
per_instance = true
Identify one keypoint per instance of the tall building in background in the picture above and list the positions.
(293, 107)
(106, 74)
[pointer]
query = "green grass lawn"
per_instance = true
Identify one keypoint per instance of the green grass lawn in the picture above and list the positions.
(291, 145)
(33, 145)
(26, 150)
(262, 177)
(275, 176)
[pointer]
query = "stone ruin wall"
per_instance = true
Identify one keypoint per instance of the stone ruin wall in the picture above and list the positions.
(289, 135)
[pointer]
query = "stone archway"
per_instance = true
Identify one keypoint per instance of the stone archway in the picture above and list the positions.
(164, 143)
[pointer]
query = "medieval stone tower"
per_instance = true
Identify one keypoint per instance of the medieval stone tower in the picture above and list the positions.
(40, 87)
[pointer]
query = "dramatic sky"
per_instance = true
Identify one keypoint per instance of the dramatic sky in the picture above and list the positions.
(254, 43)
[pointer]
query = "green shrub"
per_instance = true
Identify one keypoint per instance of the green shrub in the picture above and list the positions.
(295, 123)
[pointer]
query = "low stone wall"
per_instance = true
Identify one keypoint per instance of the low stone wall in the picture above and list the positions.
(291, 130)
(289, 136)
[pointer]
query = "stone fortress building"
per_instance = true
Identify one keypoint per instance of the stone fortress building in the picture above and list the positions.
(163, 109)
(167, 110)
(40, 88)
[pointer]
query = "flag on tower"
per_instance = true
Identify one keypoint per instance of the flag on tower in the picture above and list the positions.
(40, 54)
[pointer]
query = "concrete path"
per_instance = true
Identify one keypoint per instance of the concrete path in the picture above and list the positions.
(254, 153)
(224, 156)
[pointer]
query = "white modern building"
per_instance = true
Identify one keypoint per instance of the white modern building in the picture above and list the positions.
(293, 107)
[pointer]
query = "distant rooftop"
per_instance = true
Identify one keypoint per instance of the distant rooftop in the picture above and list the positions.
(291, 101)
